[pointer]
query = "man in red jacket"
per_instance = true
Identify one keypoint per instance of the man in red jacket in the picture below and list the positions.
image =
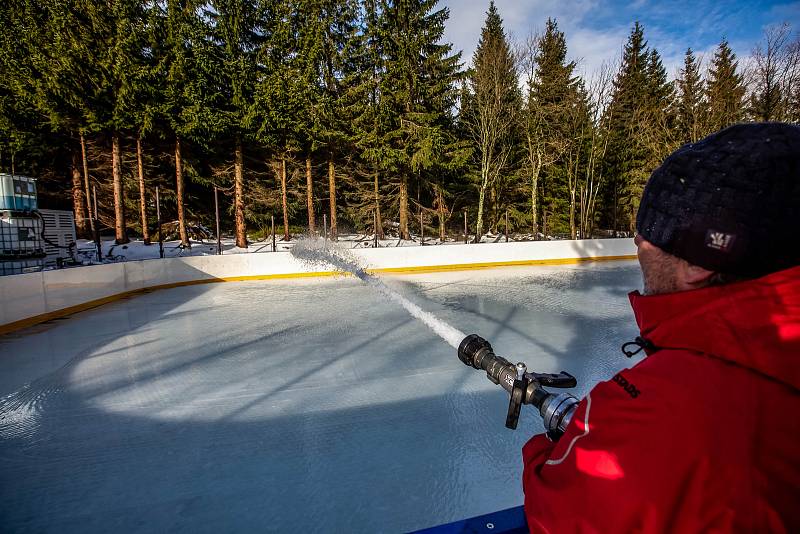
(703, 435)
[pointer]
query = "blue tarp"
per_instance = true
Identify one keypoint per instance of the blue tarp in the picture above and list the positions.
(509, 521)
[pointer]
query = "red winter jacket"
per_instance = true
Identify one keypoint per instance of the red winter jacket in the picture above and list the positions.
(703, 435)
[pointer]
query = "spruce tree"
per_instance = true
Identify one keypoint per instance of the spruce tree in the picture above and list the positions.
(654, 127)
(418, 90)
(236, 39)
(690, 103)
(724, 90)
(495, 111)
(339, 105)
(626, 154)
(305, 100)
(368, 126)
(43, 76)
(283, 96)
(553, 112)
(118, 35)
(190, 93)
(641, 128)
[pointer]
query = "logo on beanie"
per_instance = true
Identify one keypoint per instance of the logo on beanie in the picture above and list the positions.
(719, 240)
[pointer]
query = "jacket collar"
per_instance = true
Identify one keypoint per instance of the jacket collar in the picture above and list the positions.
(754, 324)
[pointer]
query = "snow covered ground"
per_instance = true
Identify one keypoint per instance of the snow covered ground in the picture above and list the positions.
(309, 405)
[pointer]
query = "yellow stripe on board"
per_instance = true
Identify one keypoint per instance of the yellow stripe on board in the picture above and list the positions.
(49, 316)
(491, 265)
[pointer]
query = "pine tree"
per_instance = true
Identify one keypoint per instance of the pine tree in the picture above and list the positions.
(552, 113)
(625, 153)
(366, 127)
(43, 79)
(306, 98)
(236, 38)
(494, 113)
(119, 37)
(417, 93)
(641, 128)
(724, 90)
(190, 94)
(338, 106)
(283, 94)
(655, 134)
(308, 30)
(690, 104)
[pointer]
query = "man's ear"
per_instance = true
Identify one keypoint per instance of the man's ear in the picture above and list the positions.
(695, 276)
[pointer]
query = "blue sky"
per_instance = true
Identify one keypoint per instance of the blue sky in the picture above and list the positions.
(596, 30)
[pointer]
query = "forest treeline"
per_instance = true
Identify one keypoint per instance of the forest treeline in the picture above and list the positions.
(355, 110)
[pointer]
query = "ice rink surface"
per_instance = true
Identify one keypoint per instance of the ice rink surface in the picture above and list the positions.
(308, 405)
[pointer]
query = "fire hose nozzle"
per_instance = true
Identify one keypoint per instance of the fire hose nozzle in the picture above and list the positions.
(523, 387)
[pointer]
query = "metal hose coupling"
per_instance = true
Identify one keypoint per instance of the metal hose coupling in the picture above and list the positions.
(557, 411)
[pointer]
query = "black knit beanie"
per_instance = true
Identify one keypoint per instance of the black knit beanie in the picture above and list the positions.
(729, 203)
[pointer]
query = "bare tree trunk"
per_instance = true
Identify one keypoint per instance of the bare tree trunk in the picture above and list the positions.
(238, 195)
(86, 184)
(284, 202)
(479, 225)
(310, 196)
(119, 194)
(572, 178)
(534, 202)
(493, 200)
(573, 231)
(536, 162)
(179, 192)
(142, 199)
(378, 220)
(77, 197)
(440, 207)
(544, 222)
(332, 196)
(404, 209)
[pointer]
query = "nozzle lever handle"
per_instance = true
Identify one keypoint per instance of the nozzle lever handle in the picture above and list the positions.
(515, 402)
(553, 380)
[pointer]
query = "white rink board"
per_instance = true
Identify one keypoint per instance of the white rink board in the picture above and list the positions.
(30, 295)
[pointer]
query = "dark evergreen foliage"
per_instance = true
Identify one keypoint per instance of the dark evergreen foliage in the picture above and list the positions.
(352, 109)
(690, 105)
(724, 90)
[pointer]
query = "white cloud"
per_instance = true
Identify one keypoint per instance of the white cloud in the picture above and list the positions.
(520, 19)
(592, 45)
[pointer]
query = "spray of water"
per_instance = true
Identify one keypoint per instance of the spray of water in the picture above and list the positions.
(316, 252)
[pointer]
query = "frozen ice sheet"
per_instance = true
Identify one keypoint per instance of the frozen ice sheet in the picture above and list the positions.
(290, 406)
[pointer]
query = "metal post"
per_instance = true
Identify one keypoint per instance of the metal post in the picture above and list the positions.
(158, 217)
(325, 229)
(96, 228)
(97, 243)
(375, 226)
(274, 248)
(421, 230)
(506, 226)
(216, 209)
(465, 227)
